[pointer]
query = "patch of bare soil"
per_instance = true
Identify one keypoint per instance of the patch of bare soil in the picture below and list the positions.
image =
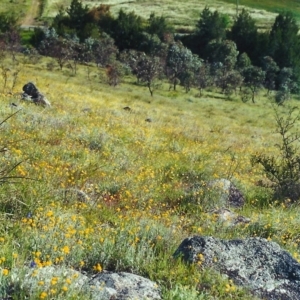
(32, 14)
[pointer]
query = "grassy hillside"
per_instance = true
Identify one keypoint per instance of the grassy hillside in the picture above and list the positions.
(18, 6)
(136, 179)
(184, 14)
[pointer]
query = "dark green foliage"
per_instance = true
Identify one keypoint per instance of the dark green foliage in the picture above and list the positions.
(284, 39)
(127, 31)
(77, 14)
(244, 33)
(75, 20)
(36, 37)
(243, 62)
(151, 44)
(283, 171)
(285, 43)
(7, 21)
(211, 26)
(158, 26)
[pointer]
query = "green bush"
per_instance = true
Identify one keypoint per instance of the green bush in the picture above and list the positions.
(283, 171)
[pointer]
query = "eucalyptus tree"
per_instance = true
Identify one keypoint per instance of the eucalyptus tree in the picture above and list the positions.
(149, 70)
(254, 78)
(271, 68)
(203, 78)
(223, 57)
(181, 65)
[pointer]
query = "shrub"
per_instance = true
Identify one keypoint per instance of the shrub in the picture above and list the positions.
(283, 171)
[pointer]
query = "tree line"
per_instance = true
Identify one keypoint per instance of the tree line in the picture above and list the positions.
(234, 56)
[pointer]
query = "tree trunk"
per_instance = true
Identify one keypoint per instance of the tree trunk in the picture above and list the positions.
(150, 90)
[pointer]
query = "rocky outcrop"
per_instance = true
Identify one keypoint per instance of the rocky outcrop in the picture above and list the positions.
(102, 286)
(228, 217)
(31, 93)
(125, 286)
(255, 263)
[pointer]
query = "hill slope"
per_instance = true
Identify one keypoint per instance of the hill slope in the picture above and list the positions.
(184, 14)
(135, 177)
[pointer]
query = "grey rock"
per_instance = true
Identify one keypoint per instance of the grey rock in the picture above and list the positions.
(124, 286)
(79, 194)
(227, 193)
(103, 286)
(26, 97)
(228, 217)
(31, 93)
(41, 100)
(255, 263)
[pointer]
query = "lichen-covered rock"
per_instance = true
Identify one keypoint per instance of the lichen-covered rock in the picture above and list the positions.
(124, 286)
(255, 263)
(227, 193)
(103, 286)
(228, 217)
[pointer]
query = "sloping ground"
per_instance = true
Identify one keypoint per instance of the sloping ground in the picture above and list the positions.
(19, 6)
(134, 176)
(30, 19)
(184, 14)
(32, 14)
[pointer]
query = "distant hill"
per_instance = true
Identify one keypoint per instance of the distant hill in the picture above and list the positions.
(184, 14)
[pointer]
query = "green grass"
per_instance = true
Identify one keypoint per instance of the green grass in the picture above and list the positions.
(276, 6)
(18, 6)
(138, 178)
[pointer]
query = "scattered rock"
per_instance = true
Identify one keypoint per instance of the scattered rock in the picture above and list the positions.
(124, 286)
(255, 263)
(227, 193)
(31, 93)
(73, 192)
(103, 286)
(229, 217)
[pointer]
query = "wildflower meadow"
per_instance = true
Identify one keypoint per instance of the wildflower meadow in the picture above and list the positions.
(89, 186)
